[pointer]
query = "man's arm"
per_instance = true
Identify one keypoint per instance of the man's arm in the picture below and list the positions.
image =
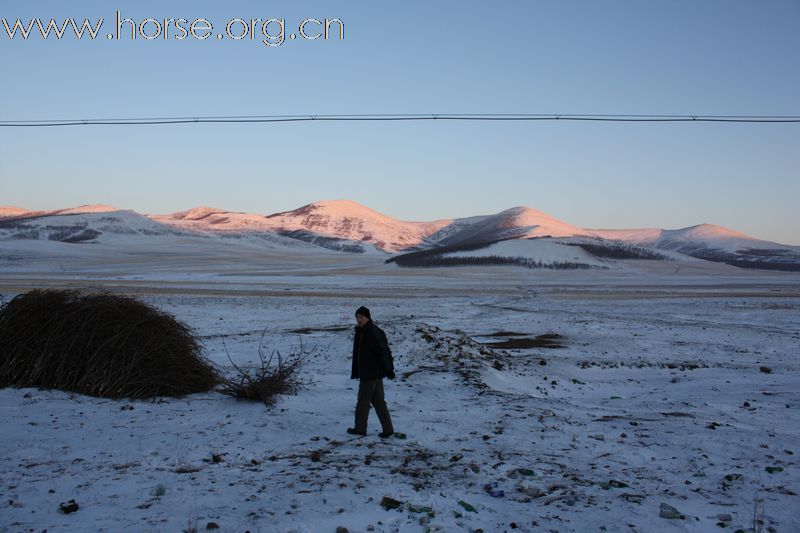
(354, 364)
(386, 362)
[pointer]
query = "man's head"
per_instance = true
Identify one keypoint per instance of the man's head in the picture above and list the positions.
(362, 316)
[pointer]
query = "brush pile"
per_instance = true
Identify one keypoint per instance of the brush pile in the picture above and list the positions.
(99, 344)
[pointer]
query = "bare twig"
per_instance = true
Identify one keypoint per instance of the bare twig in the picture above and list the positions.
(267, 380)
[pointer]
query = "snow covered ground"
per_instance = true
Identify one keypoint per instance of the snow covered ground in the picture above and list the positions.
(669, 387)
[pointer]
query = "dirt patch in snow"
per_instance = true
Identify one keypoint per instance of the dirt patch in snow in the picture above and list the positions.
(548, 340)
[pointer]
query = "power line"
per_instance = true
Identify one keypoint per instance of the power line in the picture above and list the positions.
(397, 117)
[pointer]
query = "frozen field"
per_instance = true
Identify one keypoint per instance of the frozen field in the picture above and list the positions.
(678, 388)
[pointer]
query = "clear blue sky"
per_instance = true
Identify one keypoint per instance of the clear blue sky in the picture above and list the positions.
(631, 57)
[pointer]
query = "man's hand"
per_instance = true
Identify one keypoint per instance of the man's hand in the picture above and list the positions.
(390, 374)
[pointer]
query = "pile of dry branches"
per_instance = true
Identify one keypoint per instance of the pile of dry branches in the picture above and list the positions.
(99, 344)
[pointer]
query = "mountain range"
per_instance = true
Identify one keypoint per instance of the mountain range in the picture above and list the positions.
(346, 226)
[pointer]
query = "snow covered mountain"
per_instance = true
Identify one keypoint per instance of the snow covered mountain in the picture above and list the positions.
(109, 225)
(347, 226)
(339, 224)
(79, 224)
(350, 220)
(712, 243)
(7, 211)
(515, 223)
(345, 219)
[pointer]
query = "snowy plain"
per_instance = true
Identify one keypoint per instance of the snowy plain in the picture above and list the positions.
(675, 386)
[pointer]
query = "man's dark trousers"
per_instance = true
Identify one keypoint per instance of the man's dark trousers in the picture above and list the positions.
(370, 391)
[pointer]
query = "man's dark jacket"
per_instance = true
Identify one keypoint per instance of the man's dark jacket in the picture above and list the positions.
(371, 359)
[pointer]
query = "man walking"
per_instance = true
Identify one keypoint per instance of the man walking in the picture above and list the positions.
(372, 361)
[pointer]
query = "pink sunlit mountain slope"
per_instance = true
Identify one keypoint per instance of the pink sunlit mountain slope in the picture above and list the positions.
(88, 208)
(345, 219)
(211, 219)
(16, 212)
(712, 243)
(79, 224)
(515, 223)
(346, 226)
(322, 222)
(350, 220)
(685, 239)
(11, 211)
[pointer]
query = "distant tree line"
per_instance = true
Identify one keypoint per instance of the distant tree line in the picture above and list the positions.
(619, 251)
(332, 243)
(440, 260)
(763, 265)
(755, 265)
(766, 253)
(421, 256)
